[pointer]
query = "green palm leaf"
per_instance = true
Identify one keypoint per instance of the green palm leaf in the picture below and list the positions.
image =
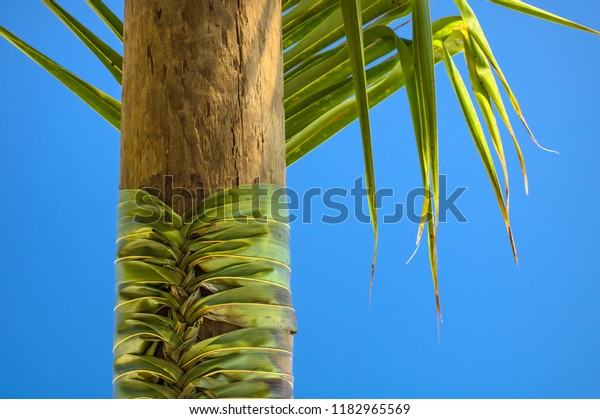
(110, 19)
(352, 12)
(522, 7)
(108, 107)
(107, 56)
(424, 111)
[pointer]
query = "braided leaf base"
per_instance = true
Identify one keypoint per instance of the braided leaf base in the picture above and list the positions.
(229, 263)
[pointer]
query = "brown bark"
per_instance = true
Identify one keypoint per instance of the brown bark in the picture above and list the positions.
(202, 96)
(202, 99)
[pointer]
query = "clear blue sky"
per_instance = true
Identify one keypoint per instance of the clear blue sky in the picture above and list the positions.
(508, 331)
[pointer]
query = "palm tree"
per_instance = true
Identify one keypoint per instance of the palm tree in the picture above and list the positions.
(204, 305)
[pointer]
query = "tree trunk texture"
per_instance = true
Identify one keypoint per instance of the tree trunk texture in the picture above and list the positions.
(202, 100)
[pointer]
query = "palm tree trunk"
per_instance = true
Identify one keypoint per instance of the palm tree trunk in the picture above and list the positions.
(202, 96)
(202, 101)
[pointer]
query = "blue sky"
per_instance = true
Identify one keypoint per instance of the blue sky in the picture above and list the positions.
(531, 330)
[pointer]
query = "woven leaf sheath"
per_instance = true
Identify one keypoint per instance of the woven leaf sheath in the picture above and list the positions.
(229, 262)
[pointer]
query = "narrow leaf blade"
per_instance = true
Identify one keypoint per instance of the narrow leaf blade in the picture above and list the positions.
(522, 7)
(351, 11)
(111, 20)
(426, 96)
(111, 59)
(108, 107)
(479, 139)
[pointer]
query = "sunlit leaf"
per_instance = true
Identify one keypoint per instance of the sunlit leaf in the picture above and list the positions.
(108, 107)
(352, 13)
(522, 7)
(111, 20)
(107, 56)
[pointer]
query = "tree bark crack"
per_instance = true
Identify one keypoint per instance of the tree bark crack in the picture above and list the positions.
(240, 89)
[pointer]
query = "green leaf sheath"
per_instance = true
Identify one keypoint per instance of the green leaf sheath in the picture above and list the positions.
(228, 261)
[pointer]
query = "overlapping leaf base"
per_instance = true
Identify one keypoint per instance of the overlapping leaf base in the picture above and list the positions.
(229, 263)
